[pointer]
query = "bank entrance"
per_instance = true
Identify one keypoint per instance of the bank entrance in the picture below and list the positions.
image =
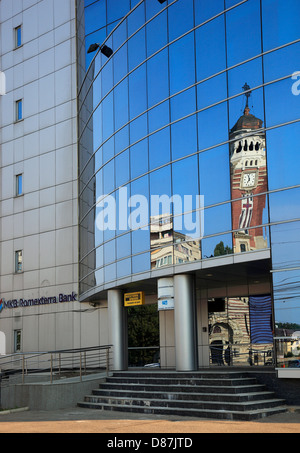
(143, 336)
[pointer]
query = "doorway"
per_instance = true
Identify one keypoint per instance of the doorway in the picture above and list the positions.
(143, 336)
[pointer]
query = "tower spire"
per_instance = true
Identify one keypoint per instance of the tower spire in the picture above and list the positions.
(246, 88)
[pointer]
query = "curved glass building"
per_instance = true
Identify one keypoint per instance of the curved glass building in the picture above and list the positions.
(189, 190)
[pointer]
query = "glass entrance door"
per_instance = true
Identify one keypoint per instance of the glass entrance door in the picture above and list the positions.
(143, 336)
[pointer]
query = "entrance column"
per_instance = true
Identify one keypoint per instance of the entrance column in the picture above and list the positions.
(185, 323)
(117, 317)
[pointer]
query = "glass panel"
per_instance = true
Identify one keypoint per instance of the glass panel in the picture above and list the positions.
(243, 16)
(123, 246)
(122, 168)
(161, 257)
(156, 33)
(139, 128)
(158, 78)
(280, 22)
(137, 92)
(212, 126)
(186, 199)
(211, 91)
(137, 49)
(159, 116)
(97, 128)
(217, 246)
(210, 51)
(110, 272)
(120, 36)
(109, 177)
(285, 245)
(181, 18)
(183, 104)
(159, 148)
(281, 142)
(184, 137)
(117, 9)
(215, 175)
(277, 95)
(250, 72)
(182, 64)
(120, 64)
(223, 214)
(205, 10)
(139, 215)
(139, 158)
(121, 139)
(121, 109)
(281, 63)
(108, 116)
(107, 77)
(287, 318)
(141, 263)
(124, 268)
(109, 252)
(285, 205)
(136, 19)
(108, 150)
(95, 16)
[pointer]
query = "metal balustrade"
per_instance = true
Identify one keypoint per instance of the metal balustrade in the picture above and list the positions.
(14, 368)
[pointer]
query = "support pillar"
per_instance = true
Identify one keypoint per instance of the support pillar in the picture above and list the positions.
(185, 323)
(117, 317)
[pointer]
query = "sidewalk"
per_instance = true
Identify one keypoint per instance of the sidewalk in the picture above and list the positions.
(80, 420)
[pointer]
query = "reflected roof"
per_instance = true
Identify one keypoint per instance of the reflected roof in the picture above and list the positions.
(247, 121)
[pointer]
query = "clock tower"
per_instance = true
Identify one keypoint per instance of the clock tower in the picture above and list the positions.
(248, 180)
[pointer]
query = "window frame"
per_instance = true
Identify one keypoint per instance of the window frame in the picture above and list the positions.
(18, 36)
(19, 262)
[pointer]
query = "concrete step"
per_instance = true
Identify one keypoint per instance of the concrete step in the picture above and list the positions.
(183, 380)
(197, 413)
(186, 404)
(212, 394)
(166, 394)
(185, 388)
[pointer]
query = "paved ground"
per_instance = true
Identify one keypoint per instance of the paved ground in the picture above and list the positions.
(80, 420)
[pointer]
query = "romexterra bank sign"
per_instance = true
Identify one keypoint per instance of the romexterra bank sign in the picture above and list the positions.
(18, 303)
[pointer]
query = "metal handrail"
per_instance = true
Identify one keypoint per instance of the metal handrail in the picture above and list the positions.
(58, 363)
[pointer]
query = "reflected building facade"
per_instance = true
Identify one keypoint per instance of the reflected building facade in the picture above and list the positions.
(168, 113)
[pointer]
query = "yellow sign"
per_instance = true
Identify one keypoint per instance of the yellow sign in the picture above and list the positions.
(131, 299)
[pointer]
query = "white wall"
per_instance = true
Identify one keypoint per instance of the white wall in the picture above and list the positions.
(42, 222)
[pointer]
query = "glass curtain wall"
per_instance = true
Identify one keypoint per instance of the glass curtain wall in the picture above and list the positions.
(188, 142)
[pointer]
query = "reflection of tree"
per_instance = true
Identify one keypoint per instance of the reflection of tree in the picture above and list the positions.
(221, 249)
(288, 325)
(143, 331)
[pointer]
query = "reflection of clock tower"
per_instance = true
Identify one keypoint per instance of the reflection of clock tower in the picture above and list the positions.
(248, 179)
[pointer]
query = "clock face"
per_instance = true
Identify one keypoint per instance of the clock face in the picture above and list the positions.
(248, 179)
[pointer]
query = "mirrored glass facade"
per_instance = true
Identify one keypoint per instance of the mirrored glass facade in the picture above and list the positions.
(188, 154)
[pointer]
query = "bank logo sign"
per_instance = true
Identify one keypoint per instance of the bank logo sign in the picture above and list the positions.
(18, 303)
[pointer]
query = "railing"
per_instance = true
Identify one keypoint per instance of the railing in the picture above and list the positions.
(55, 364)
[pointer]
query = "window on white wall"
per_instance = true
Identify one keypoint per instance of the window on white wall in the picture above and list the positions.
(19, 185)
(18, 36)
(17, 340)
(19, 110)
(18, 261)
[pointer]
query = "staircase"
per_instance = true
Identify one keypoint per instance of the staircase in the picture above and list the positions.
(228, 395)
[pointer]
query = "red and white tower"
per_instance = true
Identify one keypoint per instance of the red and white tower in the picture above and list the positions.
(248, 181)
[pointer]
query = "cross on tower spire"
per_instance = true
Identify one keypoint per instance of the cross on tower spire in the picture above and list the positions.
(246, 88)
